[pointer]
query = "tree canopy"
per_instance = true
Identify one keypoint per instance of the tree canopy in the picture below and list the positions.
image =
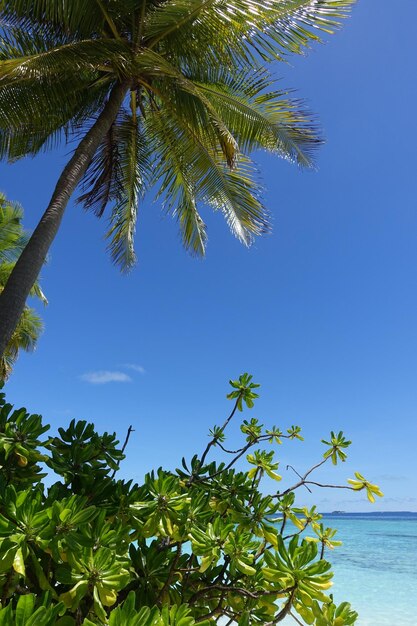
(199, 100)
(209, 540)
(172, 95)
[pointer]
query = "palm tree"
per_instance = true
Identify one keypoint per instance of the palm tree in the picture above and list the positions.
(165, 93)
(12, 241)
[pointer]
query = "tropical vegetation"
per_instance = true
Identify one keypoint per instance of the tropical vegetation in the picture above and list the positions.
(169, 94)
(217, 538)
(13, 239)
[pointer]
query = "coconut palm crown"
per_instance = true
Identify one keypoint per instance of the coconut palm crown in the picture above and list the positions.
(169, 94)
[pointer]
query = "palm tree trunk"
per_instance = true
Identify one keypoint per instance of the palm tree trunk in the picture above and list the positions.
(29, 264)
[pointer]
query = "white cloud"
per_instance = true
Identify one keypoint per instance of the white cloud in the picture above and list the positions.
(134, 367)
(104, 376)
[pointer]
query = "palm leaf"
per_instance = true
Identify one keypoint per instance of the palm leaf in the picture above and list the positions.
(242, 29)
(12, 237)
(76, 16)
(25, 337)
(234, 192)
(33, 60)
(177, 186)
(267, 121)
(39, 115)
(102, 181)
(131, 180)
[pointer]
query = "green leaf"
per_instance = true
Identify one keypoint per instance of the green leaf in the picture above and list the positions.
(24, 609)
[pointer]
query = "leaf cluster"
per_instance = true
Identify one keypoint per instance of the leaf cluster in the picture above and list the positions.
(183, 548)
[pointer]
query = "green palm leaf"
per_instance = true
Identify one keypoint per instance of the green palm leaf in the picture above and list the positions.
(268, 121)
(131, 181)
(243, 29)
(25, 338)
(234, 192)
(177, 184)
(12, 237)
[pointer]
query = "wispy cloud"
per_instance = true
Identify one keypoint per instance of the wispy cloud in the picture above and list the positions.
(134, 367)
(103, 377)
(393, 477)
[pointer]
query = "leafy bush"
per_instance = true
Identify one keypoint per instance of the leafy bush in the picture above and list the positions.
(186, 547)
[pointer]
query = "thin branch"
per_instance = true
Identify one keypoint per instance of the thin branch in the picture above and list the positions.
(284, 612)
(215, 612)
(170, 575)
(239, 590)
(296, 618)
(214, 440)
(232, 462)
(302, 480)
(257, 440)
(311, 482)
(253, 490)
(223, 570)
(299, 476)
(297, 533)
(130, 430)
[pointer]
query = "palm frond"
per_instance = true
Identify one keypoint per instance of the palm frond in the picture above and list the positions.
(102, 181)
(78, 60)
(132, 166)
(243, 29)
(268, 121)
(12, 236)
(234, 192)
(25, 337)
(75, 16)
(176, 184)
(156, 66)
(34, 117)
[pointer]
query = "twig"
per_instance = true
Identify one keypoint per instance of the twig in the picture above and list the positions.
(284, 612)
(130, 430)
(239, 590)
(296, 618)
(303, 478)
(213, 441)
(299, 476)
(170, 575)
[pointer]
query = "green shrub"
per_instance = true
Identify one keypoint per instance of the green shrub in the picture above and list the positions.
(186, 547)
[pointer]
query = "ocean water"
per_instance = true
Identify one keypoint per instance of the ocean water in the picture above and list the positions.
(376, 568)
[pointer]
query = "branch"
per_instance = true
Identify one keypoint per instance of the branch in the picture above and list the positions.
(311, 482)
(130, 430)
(170, 575)
(296, 618)
(257, 440)
(239, 590)
(302, 481)
(214, 440)
(284, 612)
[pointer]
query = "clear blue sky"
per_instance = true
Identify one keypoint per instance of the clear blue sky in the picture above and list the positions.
(323, 312)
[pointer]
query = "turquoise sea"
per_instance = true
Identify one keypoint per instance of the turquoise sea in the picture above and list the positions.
(376, 568)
